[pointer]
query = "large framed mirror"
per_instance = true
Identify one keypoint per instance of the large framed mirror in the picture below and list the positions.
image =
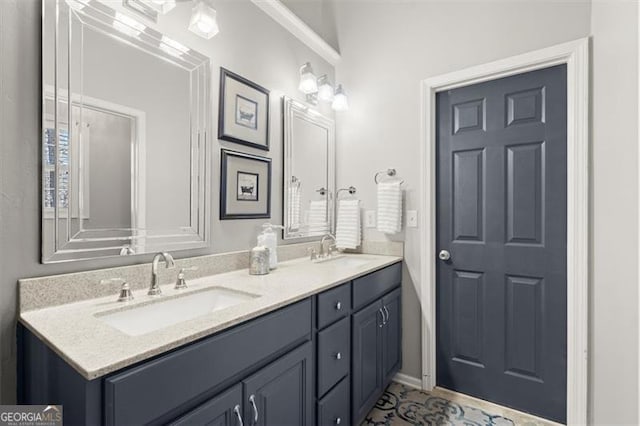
(125, 121)
(309, 171)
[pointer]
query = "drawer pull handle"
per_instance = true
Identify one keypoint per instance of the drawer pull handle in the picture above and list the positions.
(338, 420)
(381, 315)
(386, 311)
(252, 400)
(236, 410)
(338, 306)
(338, 356)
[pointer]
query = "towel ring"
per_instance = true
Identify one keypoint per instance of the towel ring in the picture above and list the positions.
(388, 172)
(351, 190)
(295, 181)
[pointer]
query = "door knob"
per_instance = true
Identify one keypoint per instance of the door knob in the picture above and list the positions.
(444, 255)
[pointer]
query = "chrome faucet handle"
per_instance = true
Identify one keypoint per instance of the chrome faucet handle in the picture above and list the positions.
(181, 283)
(125, 291)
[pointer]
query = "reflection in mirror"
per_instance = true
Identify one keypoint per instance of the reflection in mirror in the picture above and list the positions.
(309, 171)
(125, 118)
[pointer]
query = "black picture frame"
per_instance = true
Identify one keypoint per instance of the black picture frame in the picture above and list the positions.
(230, 196)
(223, 133)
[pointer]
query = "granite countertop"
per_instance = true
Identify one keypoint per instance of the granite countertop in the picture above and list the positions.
(94, 348)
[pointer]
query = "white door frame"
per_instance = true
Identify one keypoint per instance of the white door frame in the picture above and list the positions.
(575, 55)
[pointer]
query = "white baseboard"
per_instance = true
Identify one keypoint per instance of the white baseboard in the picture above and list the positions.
(407, 380)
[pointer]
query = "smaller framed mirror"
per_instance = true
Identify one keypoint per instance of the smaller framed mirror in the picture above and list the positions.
(309, 171)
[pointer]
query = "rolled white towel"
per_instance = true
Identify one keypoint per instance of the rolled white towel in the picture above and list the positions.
(348, 226)
(389, 207)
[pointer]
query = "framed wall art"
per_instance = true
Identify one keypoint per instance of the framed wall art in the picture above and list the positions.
(243, 113)
(245, 186)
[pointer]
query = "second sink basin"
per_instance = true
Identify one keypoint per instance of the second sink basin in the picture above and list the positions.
(163, 313)
(342, 260)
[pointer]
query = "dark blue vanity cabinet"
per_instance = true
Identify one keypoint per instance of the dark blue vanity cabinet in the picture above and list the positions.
(376, 337)
(324, 360)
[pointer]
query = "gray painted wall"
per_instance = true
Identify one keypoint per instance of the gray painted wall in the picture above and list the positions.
(249, 43)
(614, 214)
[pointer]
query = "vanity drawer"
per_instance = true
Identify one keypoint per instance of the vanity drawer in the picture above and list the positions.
(334, 354)
(334, 304)
(145, 393)
(334, 409)
(370, 287)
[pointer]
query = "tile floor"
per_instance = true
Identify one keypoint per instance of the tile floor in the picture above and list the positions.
(402, 405)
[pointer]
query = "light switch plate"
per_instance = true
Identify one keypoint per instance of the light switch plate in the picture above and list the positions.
(370, 219)
(412, 218)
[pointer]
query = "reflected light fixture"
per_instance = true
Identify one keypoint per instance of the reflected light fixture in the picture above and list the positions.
(308, 81)
(340, 101)
(204, 20)
(325, 89)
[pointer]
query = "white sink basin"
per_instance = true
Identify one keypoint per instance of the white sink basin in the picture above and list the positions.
(163, 313)
(341, 260)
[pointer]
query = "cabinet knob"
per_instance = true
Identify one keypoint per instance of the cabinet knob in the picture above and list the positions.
(338, 306)
(383, 322)
(338, 420)
(339, 356)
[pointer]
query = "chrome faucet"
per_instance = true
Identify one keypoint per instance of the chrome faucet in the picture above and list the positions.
(331, 247)
(154, 290)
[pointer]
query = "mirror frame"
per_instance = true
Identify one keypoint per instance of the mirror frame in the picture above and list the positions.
(292, 109)
(100, 243)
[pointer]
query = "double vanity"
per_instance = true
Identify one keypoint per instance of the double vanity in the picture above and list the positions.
(310, 343)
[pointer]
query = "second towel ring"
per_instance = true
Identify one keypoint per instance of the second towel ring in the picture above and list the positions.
(351, 190)
(388, 172)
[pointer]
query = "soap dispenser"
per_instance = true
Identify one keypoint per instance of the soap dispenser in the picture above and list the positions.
(269, 239)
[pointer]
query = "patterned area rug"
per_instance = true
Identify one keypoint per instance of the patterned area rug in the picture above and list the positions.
(401, 405)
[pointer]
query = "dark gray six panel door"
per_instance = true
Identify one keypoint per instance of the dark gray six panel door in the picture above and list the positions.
(501, 213)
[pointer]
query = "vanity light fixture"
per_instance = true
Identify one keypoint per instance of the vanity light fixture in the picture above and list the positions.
(204, 20)
(308, 80)
(321, 89)
(325, 89)
(340, 101)
(127, 25)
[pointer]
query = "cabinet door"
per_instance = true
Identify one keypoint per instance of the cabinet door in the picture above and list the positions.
(221, 410)
(367, 359)
(391, 336)
(281, 393)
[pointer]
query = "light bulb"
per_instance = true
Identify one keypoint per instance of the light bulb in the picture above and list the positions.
(308, 81)
(204, 20)
(325, 89)
(340, 101)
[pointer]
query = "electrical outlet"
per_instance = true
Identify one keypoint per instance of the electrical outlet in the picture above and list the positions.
(412, 218)
(370, 219)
